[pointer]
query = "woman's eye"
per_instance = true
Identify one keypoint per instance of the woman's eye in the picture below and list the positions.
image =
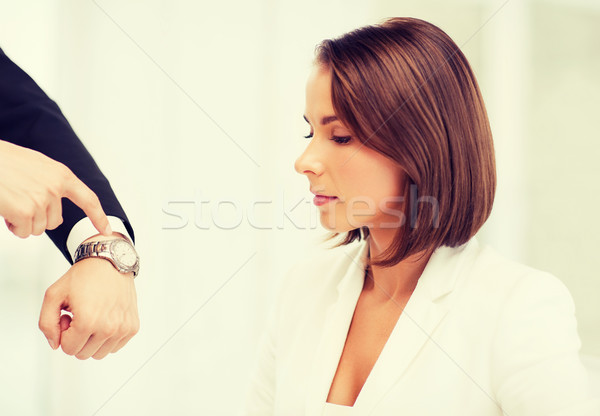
(341, 140)
(310, 135)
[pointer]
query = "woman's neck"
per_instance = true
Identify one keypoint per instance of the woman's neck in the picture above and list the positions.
(396, 283)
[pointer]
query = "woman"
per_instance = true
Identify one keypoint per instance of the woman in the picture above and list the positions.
(410, 315)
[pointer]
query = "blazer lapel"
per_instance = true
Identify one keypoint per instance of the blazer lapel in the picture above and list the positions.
(335, 329)
(424, 312)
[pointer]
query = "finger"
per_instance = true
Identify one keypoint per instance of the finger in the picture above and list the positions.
(54, 214)
(75, 337)
(106, 333)
(22, 227)
(38, 225)
(50, 315)
(106, 348)
(92, 345)
(122, 342)
(84, 198)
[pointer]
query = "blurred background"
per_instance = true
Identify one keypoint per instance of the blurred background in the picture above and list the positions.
(193, 110)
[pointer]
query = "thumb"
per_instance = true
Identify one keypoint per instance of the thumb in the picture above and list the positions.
(65, 322)
(50, 317)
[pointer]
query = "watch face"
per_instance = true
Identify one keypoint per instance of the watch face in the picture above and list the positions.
(124, 253)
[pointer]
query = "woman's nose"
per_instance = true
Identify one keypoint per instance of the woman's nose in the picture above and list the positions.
(309, 161)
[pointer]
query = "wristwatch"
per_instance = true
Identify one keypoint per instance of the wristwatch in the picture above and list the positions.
(119, 252)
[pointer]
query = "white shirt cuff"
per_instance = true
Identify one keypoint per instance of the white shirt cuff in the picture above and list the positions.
(84, 229)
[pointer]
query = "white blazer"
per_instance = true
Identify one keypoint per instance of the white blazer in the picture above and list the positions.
(479, 336)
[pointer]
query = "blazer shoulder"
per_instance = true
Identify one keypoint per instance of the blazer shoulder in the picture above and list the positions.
(507, 286)
(496, 269)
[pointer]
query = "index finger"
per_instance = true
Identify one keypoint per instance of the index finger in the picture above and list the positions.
(86, 199)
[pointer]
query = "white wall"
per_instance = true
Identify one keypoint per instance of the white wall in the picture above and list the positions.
(188, 101)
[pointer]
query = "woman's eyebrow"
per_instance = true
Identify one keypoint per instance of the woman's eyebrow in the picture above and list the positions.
(325, 120)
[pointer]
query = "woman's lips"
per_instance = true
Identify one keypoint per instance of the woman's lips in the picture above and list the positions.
(322, 199)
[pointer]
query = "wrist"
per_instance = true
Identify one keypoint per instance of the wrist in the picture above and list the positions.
(103, 266)
(83, 230)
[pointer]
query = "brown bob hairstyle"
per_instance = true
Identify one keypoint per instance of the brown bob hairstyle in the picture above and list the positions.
(406, 90)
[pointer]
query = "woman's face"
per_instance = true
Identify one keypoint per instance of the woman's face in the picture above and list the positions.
(354, 185)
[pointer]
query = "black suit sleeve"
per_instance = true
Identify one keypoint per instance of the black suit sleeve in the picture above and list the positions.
(29, 118)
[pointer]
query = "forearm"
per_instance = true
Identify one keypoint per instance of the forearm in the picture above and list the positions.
(29, 118)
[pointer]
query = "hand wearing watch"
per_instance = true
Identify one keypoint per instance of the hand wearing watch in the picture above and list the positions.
(118, 251)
